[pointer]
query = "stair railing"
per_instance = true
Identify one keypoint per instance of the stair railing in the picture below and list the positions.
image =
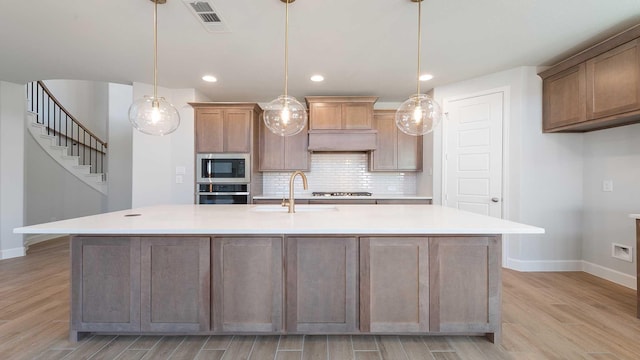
(69, 132)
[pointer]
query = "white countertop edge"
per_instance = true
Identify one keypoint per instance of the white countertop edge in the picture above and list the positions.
(363, 220)
(372, 197)
(362, 232)
(634, 216)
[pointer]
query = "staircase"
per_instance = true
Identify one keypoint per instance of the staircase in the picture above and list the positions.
(64, 138)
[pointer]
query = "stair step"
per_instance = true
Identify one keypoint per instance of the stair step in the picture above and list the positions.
(48, 137)
(98, 177)
(71, 157)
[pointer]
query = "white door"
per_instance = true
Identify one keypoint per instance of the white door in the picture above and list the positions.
(473, 154)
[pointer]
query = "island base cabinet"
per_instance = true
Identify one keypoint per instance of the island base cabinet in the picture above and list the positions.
(247, 289)
(321, 288)
(465, 280)
(139, 284)
(394, 284)
(175, 278)
(105, 284)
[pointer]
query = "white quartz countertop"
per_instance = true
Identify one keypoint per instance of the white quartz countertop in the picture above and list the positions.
(634, 216)
(272, 219)
(372, 197)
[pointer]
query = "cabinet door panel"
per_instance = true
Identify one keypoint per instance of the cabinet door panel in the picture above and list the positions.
(209, 131)
(247, 289)
(613, 81)
(296, 155)
(271, 150)
(237, 131)
(394, 282)
(564, 98)
(465, 284)
(325, 116)
(321, 284)
(409, 151)
(175, 278)
(356, 116)
(385, 156)
(106, 284)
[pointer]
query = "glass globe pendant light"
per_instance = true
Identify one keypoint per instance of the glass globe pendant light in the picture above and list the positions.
(154, 115)
(420, 114)
(285, 116)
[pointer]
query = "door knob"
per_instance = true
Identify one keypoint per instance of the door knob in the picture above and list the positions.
(495, 199)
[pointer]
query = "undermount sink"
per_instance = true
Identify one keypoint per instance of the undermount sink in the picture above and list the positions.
(299, 208)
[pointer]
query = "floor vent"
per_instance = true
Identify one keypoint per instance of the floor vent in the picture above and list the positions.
(207, 15)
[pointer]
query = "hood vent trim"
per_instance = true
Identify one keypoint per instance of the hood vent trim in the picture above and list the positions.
(340, 140)
(207, 15)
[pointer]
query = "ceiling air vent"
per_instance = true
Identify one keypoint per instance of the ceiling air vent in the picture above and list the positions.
(207, 15)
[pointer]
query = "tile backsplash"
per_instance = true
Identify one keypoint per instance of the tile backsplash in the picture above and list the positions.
(341, 172)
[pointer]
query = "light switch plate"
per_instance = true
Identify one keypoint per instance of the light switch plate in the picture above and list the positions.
(181, 170)
(607, 185)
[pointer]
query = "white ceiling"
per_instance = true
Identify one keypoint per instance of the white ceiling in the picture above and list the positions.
(362, 47)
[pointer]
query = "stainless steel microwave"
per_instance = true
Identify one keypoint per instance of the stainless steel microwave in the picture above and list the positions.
(223, 168)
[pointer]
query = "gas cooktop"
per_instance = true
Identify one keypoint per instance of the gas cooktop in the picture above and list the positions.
(341, 193)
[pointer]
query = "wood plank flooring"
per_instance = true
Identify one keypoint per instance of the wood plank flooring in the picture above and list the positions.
(545, 316)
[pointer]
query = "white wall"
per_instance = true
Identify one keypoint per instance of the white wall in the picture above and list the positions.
(119, 150)
(155, 158)
(611, 154)
(12, 117)
(87, 101)
(51, 192)
(543, 182)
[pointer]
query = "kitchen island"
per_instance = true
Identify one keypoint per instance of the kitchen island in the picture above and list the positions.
(637, 218)
(246, 269)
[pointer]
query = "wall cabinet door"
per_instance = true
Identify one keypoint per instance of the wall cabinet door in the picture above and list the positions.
(340, 112)
(247, 287)
(564, 98)
(209, 130)
(325, 116)
(283, 153)
(465, 284)
(175, 278)
(394, 284)
(223, 130)
(395, 150)
(356, 116)
(321, 293)
(613, 81)
(105, 284)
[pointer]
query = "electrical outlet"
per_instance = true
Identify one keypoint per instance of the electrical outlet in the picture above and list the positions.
(622, 252)
(179, 179)
(607, 185)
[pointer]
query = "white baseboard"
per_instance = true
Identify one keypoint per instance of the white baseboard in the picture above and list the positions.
(12, 253)
(573, 265)
(610, 274)
(543, 265)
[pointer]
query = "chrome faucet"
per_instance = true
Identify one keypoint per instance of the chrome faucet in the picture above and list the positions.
(292, 202)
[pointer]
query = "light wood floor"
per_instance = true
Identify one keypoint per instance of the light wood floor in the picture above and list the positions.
(545, 316)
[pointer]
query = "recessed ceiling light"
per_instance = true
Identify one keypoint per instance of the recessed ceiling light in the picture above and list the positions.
(209, 78)
(317, 78)
(425, 77)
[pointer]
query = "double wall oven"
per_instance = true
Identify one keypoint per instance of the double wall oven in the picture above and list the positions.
(223, 178)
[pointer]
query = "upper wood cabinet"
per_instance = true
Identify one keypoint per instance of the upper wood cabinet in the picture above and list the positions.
(395, 150)
(283, 153)
(340, 112)
(224, 127)
(595, 89)
(613, 81)
(565, 98)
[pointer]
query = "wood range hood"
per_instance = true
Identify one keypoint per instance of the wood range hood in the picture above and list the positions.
(341, 123)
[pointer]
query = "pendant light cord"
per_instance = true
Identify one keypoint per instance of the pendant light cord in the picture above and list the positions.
(286, 47)
(155, 50)
(419, 35)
